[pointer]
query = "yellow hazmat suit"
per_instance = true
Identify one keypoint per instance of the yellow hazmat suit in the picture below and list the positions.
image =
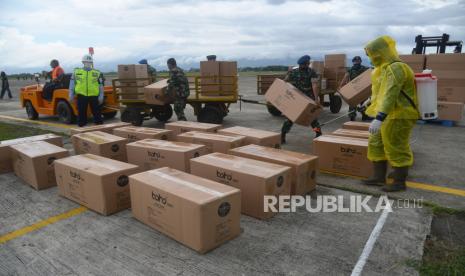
(389, 78)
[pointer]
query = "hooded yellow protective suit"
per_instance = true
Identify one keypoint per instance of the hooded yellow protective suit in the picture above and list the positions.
(389, 78)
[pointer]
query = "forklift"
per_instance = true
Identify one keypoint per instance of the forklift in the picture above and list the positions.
(440, 42)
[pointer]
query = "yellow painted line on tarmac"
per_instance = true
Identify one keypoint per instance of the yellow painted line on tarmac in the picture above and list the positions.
(41, 224)
(36, 122)
(415, 185)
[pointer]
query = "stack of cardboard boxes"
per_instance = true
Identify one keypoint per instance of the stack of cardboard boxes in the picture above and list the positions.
(450, 71)
(218, 77)
(133, 89)
(416, 62)
(335, 69)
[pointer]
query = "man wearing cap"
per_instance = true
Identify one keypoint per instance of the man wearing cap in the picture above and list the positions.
(87, 84)
(353, 72)
(211, 57)
(150, 69)
(302, 78)
(178, 88)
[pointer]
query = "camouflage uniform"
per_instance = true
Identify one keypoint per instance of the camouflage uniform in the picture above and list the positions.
(152, 72)
(301, 79)
(178, 88)
(354, 72)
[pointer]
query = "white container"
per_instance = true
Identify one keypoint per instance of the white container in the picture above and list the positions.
(324, 84)
(427, 92)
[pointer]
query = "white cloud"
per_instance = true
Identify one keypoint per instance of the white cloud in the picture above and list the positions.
(126, 31)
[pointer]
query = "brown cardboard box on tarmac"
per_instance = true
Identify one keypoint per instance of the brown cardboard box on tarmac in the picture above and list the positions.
(451, 94)
(452, 111)
(5, 150)
(155, 93)
(354, 133)
(213, 141)
(357, 90)
(108, 128)
(416, 62)
(99, 183)
(133, 133)
(294, 104)
(254, 178)
(185, 126)
(343, 155)
(210, 72)
(197, 212)
(100, 143)
(356, 125)
(153, 154)
(33, 162)
(304, 166)
(255, 136)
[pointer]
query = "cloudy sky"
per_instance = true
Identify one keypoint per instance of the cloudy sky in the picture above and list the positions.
(262, 32)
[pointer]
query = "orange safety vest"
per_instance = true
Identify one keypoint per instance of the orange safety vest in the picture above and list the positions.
(57, 71)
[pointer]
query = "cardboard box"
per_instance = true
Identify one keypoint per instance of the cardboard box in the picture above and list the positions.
(210, 72)
(140, 133)
(228, 73)
(5, 150)
(213, 141)
(265, 81)
(108, 128)
(100, 143)
(155, 93)
(416, 62)
(357, 90)
(255, 136)
(449, 74)
(446, 62)
(451, 94)
(99, 183)
(356, 125)
(334, 74)
(133, 89)
(364, 134)
(254, 178)
(343, 155)
(153, 154)
(186, 126)
(452, 111)
(335, 60)
(294, 104)
(303, 166)
(197, 212)
(318, 66)
(33, 162)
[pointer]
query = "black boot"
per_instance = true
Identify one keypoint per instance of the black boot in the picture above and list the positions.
(379, 174)
(400, 175)
(283, 137)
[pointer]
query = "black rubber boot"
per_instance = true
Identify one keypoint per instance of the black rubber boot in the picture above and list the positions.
(379, 174)
(283, 137)
(399, 174)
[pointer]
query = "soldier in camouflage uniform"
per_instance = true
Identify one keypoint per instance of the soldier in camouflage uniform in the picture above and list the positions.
(178, 88)
(301, 78)
(150, 69)
(353, 72)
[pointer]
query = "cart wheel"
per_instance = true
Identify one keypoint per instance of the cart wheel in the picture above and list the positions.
(335, 103)
(31, 112)
(65, 113)
(132, 116)
(162, 112)
(273, 110)
(210, 114)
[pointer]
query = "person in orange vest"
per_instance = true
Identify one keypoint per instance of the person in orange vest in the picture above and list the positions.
(57, 71)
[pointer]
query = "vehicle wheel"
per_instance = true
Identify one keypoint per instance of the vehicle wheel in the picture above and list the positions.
(335, 103)
(65, 113)
(31, 112)
(163, 112)
(132, 116)
(109, 115)
(210, 114)
(273, 110)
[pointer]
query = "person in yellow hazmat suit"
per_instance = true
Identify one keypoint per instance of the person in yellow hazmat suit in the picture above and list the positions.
(394, 106)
